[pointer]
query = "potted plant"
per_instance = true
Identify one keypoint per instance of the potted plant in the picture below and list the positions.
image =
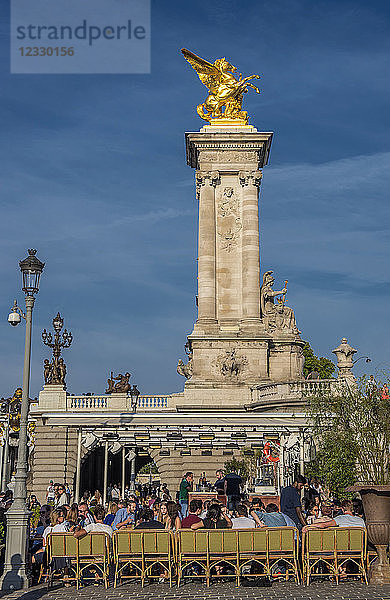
(357, 414)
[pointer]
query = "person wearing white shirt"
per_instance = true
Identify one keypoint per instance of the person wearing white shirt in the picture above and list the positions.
(98, 527)
(242, 521)
(57, 525)
(347, 519)
(62, 498)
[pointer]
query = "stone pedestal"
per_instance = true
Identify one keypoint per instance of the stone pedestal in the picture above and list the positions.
(52, 397)
(232, 350)
(15, 575)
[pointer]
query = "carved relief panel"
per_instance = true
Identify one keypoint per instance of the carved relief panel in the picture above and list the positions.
(229, 218)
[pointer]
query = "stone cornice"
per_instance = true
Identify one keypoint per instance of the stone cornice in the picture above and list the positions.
(260, 142)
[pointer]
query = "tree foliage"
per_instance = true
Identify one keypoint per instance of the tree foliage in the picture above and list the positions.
(150, 467)
(322, 365)
(245, 467)
(334, 463)
(239, 466)
(353, 419)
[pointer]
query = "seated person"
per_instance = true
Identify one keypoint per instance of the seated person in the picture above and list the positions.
(72, 517)
(121, 515)
(173, 521)
(110, 516)
(85, 516)
(57, 525)
(242, 521)
(346, 519)
(272, 517)
(313, 513)
(156, 508)
(44, 519)
(216, 518)
(257, 507)
(206, 505)
(127, 518)
(147, 520)
(195, 508)
(97, 527)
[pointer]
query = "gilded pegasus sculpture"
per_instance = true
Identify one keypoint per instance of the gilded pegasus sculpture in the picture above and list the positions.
(224, 101)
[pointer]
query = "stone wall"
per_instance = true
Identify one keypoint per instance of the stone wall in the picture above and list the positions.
(54, 457)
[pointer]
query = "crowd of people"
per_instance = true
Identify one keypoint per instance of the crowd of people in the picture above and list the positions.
(302, 505)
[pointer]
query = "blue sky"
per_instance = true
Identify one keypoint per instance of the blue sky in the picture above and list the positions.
(93, 175)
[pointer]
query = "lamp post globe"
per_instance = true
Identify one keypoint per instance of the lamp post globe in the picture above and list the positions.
(58, 323)
(18, 516)
(31, 268)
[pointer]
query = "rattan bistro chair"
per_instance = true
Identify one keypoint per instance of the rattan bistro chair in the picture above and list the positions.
(333, 548)
(157, 548)
(222, 551)
(62, 550)
(252, 552)
(283, 547)
(351, 546)
(192, 554)
(140, 552)
(127, 555)
(94, 557)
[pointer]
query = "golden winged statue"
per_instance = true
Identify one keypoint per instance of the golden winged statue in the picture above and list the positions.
(224, 101)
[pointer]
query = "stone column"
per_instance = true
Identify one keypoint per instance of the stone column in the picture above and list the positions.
(5, 459)
(250, 182)
(50, 455)
(206, 182)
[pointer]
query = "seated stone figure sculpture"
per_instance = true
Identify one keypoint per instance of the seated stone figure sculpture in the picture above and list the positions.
(276, 316)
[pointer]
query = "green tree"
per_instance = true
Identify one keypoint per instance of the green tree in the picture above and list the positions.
(351, 423)
(239, 466)
(335, 463)
(245, 467)
(322, 365)
(150, 467)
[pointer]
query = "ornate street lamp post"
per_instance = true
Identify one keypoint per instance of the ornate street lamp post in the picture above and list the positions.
(15, 576)
(55, 372)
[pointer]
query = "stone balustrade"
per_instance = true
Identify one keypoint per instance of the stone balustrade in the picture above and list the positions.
(299, 390)
(153, 402)
(87, 402)
(110, 402)
(55, 398)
